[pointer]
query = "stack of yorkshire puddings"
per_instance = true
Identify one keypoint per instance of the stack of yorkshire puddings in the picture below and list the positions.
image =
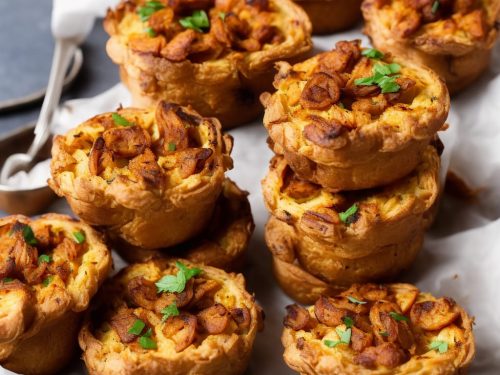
(355, 180)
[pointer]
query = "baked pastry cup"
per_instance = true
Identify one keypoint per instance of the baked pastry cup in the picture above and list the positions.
(216, 56)
(379, 329)
(150, 177)
(454, 38)
(329, 16)
(222, 244)
(50, 268)
(139, 325)
(352, 236)
(337, 128)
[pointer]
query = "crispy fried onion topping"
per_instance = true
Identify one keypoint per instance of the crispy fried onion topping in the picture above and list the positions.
(131, 146)
(387, 326)
(197, 316)
(34, 257)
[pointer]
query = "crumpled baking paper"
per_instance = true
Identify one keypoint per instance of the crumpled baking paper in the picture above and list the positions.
(461, 254)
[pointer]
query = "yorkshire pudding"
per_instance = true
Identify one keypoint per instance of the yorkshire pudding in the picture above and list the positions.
(354, 118)
(171, 317)
(150, 177)
(453, 37)
(216, 56)
(50, 268)
(379, 329)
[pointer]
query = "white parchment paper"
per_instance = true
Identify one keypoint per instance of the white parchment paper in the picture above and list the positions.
(461, 255)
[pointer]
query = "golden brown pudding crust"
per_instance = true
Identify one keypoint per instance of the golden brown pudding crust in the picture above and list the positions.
(50, 268)
(329, 16)
(379, 329)
(171, 317)
(137, 172)
(453, 37)
(222, 244)
(354, 236)
(214, 55)
(354, 118)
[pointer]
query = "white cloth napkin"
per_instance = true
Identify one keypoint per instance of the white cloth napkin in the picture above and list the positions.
(461, 255)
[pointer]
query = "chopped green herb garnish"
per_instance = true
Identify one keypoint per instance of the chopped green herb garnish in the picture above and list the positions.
(171, 146)
(120, 120)
(355, 300)
(400, 318)
(349, 215)
(79, 237)
(381, 78)
(170, 310)
(440, 346)
(7, 279)
(383, 333)
(435, 6)
(348, 321)
(177, 283)
(29, 236)
(44, 258)
(146, 342)
(47, 281)
(373, 53)
(150, 31)
(148, 9)
(345, 338)
(222, 15)
(137, 327)
(197, 21)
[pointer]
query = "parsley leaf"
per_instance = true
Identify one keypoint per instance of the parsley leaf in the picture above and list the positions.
(137, 327)
(170, 310)
(120, 120)
(177, 283)
(148, 9)
(171, 146)
(355, 300)
(440, 346)
(79, 237)
(435, 6)
(47, 281)
(197, 21)
(29, 236)
(150, 31)
(44, 258)
(348, 321)
(146, 342)
(381, 78)
(388, 85)
(373, 53)
(345, 338)
(400, 318)
(349, 216)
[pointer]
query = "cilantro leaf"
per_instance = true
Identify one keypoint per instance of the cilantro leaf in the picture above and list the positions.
(29, 236)
(79, 237)
(348, 321)
(44, 258)
(146, 11)
(197, 21)
(345, 338)
(388, 85)
(381, 77)
(355, 300)
(120, 120)
(177, 283)
(440, 346)
(189, 272)
(400, 318)
(373, 53)
(47, 281)
(170, 310)
(349, 216)
(137, 327)
(171, 146)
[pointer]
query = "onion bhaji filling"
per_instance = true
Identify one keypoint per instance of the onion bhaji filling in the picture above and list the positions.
(186, 316)
(202, 30)
(386, 329)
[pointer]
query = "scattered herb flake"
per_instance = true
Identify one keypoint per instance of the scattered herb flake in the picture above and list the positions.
(400, 318)
(137, 327)
(381, 78)
(148, 9)
(150, 31)
(197, 21)
(120, 120)
(222, 15)
(46, 282)
(373, 53)
(355, 300)
(348, 321)
(7, 279)
(348, 216)
(177, 283)
(170, 310)
(29, 236)
(435, 6)
(44, 258)
(79, 237)
(440, 346)
(147, 343)
(171, 146)
(383, 333)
